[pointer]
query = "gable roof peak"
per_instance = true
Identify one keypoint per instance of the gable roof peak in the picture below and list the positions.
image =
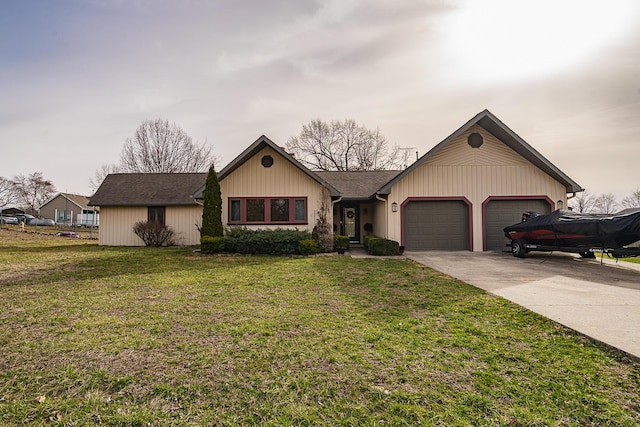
(259, 144)
(488, 121)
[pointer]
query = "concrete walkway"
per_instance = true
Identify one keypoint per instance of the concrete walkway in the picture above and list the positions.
(600, 300)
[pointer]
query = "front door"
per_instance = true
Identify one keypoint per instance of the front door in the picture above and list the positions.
(350, 223)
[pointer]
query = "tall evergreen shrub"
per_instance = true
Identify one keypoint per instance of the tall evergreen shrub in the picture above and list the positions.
(212, 209)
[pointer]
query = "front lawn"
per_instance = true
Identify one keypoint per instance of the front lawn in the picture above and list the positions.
(141, 336)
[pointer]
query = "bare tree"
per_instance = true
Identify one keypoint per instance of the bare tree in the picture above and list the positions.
(32, 191)
(100, 174)
(632, 201)
(157, 147)
(606, 203)
(583, 202)
(160, 147)
(7, 192)
(342, 146)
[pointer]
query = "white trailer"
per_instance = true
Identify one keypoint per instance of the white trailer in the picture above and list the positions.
(88, 219)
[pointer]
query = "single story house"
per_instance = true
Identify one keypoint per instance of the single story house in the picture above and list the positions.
(458, 196)
(66, 208)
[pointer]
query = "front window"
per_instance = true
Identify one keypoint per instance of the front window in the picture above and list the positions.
(268, 210)
(234, 211)
(255, 210)
(280, 210)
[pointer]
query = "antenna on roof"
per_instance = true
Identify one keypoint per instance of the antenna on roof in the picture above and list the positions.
(405, 157)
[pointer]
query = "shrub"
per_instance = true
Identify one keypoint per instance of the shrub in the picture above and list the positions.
(211, 245)
(269, 242)
(154, 234)
(212, 206)
(340, 241)
(366, 239)
(384, 247)
(308, 247)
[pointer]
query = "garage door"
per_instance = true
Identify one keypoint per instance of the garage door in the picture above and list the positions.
(436, 225)
(499, 214)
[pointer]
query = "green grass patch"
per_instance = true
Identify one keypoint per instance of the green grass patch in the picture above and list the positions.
(165, 336)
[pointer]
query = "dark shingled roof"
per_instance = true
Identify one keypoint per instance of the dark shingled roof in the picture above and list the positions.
(148, 189)
(357, 185)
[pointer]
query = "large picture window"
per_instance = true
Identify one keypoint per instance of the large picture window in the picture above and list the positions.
(268, 210)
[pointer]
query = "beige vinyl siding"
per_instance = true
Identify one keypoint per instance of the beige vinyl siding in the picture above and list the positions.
(116, 227)
(380, 216)
(183, 220)
(282, 179)
(476, 174)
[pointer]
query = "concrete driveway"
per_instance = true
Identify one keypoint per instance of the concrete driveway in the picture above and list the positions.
(598, 300)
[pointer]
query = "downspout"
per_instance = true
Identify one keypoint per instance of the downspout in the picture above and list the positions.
(386, 216)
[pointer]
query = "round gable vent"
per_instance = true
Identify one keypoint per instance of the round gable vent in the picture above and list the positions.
(475, 140)
(267, 161)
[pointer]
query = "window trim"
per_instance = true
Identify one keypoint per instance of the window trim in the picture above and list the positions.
(267, 211)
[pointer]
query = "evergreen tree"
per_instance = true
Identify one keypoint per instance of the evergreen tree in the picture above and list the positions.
(212, 210)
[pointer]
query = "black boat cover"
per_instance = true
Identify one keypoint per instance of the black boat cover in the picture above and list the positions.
(609, 231)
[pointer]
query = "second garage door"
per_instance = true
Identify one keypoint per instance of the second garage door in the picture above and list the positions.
(436, 225)
(499, 214)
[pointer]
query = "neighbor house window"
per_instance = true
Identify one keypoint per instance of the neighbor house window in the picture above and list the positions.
(156, 214)
(268, 210)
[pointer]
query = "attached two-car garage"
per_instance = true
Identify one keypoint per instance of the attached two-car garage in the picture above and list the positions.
(445, 224)
(463, 192)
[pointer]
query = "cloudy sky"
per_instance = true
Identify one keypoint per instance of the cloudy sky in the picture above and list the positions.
(77, 77)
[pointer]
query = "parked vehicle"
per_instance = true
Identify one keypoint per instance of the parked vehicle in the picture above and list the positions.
(8, 220)
(585, 234)
(42, 221)
(26, 218)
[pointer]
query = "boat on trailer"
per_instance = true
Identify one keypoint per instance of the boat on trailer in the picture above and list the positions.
(585, 234)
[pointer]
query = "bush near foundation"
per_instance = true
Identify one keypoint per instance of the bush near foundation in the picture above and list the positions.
(268, 242)
(154, 234)
(383, 247)
(308, 247)
(340, 242)
(366, 239)
(211, 245)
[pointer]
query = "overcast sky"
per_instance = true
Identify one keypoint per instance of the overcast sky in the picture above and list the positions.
(78, 77)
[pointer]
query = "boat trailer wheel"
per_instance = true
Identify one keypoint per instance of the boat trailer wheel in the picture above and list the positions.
(517, 248)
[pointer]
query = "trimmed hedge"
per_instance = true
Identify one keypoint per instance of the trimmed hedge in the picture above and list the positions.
(383, 247)
(308, 247)
(367, 238)
(340, 241)
(267, 242)
(211, 245)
